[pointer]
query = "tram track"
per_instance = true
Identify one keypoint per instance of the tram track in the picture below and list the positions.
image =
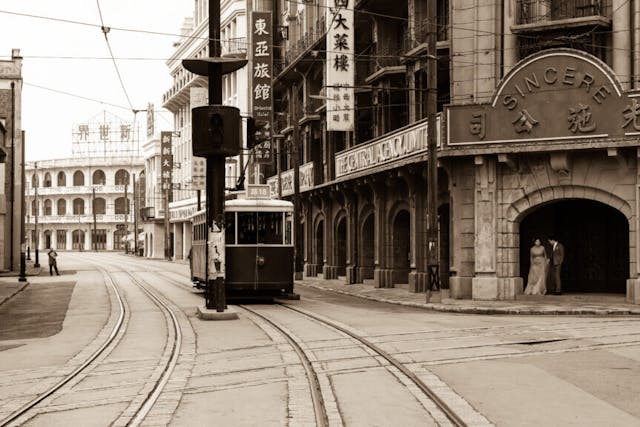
(27, 409)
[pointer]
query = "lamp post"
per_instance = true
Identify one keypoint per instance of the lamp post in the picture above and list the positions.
(35, 199)
(23, 261)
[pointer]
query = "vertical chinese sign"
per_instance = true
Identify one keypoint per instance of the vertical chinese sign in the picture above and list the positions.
(262, 72)
(198, 97)
(166, 161)
(340, 66)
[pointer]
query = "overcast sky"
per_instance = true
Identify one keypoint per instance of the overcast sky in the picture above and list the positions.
(75, 58)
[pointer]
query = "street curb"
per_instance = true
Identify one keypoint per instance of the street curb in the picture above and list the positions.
(7, 298)
(487, 310)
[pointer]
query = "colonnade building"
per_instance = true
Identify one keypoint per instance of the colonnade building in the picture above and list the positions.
(538, 132)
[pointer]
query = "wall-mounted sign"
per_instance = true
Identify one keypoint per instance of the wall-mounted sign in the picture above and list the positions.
(262, 72)
(166, 160)
(198, 173)
(340, 66)
(306, 181)
(151, 125)
(403, 143)
(554, 95)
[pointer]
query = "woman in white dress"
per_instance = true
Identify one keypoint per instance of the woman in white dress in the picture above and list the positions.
(537, 281)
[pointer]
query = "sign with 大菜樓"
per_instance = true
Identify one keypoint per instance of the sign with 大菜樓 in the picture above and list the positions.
(554, 95)
(340, 66)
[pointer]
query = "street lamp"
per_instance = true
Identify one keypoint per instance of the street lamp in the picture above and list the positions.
(35, 199)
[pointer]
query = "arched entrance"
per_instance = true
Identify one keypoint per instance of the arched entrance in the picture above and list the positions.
(47, 239)
(596, 241)
(367, 248)
(401, 238)
(341, 246)
(319, 246)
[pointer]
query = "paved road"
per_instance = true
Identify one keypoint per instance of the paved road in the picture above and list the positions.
(505, 370)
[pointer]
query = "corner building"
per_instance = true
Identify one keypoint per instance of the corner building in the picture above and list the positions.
(537, 136)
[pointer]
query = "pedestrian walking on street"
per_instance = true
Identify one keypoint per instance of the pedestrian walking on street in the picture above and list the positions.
(53, 262)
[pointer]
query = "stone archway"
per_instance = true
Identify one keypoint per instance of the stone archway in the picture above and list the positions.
(401, 246)
(318, 255)
(596, 241)
(366, 262)
(340, 245)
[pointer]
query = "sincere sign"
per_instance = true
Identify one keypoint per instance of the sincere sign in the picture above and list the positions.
(340, 66)
(558, 94)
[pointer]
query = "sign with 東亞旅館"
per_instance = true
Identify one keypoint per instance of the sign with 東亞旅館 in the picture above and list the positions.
(554, 95)
(403, 143)
(262, 82)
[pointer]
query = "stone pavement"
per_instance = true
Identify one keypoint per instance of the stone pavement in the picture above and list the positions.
(9, 284)
(567, 304)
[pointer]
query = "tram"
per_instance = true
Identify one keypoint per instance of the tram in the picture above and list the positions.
(258, 248)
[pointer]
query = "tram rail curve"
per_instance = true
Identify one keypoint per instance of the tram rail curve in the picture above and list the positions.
(31, 405)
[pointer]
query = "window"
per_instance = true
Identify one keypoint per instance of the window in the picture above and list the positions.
(120, 208)
(261, 227)
(62, 179)
(230, 230)
(288, 231)
(47, 180)
(99, 207)
(62, 207)
(122, 177)
(99, 238)
(47, 207)
(118, 236)
(78, 207)
(99, 178)
(78, 178)
(78, 239)
(34, 180)
(61, 239)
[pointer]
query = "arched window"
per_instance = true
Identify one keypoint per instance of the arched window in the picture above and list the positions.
(122, 177)
(120, 206)
(62, 179)
(78, 178)
(47, 207)
(100, 206)
(47, 180)
(34, 180)
(62, 207)
(78, 206)
(99, 178)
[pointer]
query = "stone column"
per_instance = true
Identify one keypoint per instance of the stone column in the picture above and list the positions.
(329, 271)
(622, 41)
(633, 283)
(418, 278)
(381, 274)
(351, 200)
(510, 40)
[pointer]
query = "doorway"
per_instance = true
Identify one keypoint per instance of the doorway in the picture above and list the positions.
(596, 241)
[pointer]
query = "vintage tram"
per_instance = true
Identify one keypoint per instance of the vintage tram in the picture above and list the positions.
(258, 248)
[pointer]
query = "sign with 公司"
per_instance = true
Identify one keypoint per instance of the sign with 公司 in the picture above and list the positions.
(166, 160)
(262, 68)
(340, 66)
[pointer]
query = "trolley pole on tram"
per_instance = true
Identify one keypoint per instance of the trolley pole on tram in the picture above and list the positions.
(216, 135)
(433, 261)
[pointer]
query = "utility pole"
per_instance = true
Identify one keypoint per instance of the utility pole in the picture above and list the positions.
(296, 185)
(135, 216)
(126, 211)
(35, 227)
(433, 261)
(167, 236)
(95, 226)
(23, 261)
(216, 135)
(13, 173)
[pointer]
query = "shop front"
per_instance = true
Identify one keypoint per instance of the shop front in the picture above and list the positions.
(554, 154)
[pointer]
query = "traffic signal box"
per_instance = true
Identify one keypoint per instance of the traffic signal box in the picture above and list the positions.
(216, 131)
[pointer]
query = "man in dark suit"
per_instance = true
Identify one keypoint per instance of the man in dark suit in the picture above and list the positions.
(557, 256)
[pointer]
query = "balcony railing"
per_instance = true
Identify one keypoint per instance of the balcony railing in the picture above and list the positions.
(76, 219)
(421, 32)
(80, 189)
(234, 46)
(295, 48)
(541, 11)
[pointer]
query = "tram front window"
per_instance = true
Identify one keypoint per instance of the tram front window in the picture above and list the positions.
(260, 228)
(230, 228)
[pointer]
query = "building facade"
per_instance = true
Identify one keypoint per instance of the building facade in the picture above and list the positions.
(11, 160)
(537, 136)
(189, 91)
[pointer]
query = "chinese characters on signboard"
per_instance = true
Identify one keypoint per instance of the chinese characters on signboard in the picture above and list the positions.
(166, 160)
(198, 97)
(261, 78)
(151, 126)
(340, 66)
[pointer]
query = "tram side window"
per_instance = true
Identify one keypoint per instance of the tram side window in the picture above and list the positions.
(230, 228)
(288, 228)
(247, 234)
(270, 228)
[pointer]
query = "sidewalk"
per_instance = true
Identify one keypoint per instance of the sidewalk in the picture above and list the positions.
(568, 304)
(9, 284)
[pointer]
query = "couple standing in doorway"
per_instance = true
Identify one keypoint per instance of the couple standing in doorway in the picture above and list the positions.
(544, 273)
